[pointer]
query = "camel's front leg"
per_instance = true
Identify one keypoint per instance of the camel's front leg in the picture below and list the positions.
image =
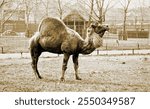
(64, 66)
(75, 61)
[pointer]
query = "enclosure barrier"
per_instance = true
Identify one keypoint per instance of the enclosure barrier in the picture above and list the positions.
(122, 52)
(2, 49)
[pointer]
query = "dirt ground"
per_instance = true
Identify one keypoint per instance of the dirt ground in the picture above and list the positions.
(98, 73)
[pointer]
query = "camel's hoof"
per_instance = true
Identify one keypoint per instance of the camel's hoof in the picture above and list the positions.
(78, 78)
(62, 79)
(39, 77)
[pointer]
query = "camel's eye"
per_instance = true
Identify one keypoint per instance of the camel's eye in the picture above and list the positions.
(89, 30)
(98, 29)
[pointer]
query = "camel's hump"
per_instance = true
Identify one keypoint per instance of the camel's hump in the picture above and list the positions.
(51, 26)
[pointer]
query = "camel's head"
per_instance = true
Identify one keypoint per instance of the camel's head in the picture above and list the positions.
(98, 29)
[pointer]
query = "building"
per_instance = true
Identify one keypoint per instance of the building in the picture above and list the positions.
(13, 20)
(76, 21)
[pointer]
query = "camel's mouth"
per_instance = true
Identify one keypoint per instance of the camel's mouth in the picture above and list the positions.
(107, 28)
(103, 29)
(101, 34)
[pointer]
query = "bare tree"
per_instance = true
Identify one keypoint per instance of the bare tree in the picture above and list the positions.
(2, 3)
(35, 11)
(46, 5)
(88, 8)
(141, 2)
(28, 8)
(91, 11)
(60, 9)
(97, 9)
(102, 7)
(5, 16)
(125, 4)
(61, 5)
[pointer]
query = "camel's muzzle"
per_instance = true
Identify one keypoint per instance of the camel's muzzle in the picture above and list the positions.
(106, 28)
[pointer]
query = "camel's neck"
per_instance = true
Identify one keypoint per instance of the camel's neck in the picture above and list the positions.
(91, 43)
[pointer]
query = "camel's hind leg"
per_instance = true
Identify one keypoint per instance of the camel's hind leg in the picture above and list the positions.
(35, 53)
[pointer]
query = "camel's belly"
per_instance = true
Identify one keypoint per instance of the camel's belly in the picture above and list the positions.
(53, 50)
(51, 44)
(58, 45)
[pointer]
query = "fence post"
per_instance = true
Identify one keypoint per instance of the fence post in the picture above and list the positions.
(97, 52)
(133, 51)
(138, 45)
(106, 46)
(117, 41)
(21, 53)
(2, 50)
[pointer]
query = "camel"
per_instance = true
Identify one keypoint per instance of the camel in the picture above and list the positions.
(55, 37)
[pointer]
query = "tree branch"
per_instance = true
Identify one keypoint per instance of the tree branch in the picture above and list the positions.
(10, 14)
(3, 3)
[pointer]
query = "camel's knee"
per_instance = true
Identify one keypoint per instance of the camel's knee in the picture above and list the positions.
(76, 67)
(33, 64)
(64, 67)
(65, 61)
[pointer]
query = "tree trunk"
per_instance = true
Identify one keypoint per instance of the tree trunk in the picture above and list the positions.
(2, 28)
(124, 26)
(60, 10)
(47, 8)
(2, 24)
(101, 15)
(91, 12)
(27, 34)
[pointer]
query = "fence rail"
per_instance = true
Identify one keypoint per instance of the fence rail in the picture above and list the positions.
(20, 44)
(95, 53)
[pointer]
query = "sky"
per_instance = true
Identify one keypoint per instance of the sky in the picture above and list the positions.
(117, 4)
(134, 3)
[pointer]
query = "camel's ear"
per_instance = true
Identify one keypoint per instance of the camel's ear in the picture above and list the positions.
(94, 25)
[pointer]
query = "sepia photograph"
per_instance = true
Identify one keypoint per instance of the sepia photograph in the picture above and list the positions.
(74, 46)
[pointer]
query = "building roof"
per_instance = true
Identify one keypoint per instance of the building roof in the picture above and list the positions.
(76, 9)
(74, 15)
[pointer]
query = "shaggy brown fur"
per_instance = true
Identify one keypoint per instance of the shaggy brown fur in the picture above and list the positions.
(54, 36)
